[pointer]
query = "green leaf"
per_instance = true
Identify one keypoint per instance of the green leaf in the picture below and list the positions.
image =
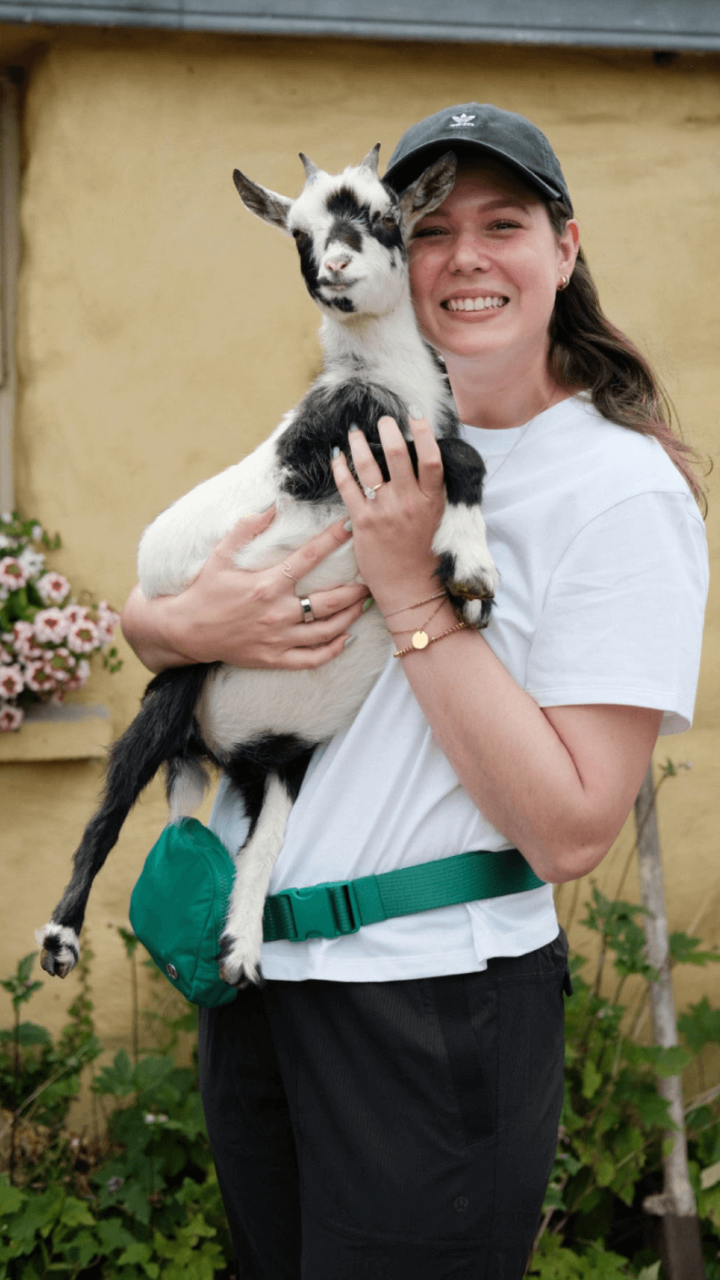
(11, 1199)
(683, 950)
(605, 1170)
(76, 1213)
(28, 1033)
(116, 1079)
(113, 1234)
(591, 1080)
(700, 1025)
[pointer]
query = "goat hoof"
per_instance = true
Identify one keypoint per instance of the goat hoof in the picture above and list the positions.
(477, 612)
(238, 966)
(60, 949)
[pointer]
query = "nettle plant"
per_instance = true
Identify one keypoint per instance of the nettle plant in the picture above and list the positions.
(47, 639)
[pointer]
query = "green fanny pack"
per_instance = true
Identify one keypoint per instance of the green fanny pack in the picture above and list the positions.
(180, 903)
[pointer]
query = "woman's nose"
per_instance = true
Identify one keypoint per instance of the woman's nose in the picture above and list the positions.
(469, 254)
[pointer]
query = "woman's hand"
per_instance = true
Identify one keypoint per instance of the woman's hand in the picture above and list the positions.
(394, 532)
(247, 618)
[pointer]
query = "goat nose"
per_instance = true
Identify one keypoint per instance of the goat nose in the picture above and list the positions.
(337, 263)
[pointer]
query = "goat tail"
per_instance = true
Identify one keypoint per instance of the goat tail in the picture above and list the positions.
(163, 731)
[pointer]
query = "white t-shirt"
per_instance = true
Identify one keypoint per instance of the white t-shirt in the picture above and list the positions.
(603, 578)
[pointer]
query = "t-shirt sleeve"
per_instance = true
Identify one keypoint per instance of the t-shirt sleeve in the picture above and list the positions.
(623, 613)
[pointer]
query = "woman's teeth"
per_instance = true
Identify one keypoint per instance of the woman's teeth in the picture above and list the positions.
(473, 304)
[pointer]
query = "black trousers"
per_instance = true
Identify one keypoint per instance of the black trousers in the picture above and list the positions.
(391, 1130)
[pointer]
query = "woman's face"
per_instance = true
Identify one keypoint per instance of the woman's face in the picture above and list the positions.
(485, 268)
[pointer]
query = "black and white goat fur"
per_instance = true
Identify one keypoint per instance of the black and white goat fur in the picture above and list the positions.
(261, 727)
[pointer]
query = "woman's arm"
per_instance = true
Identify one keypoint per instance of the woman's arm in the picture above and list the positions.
(557, 782)
(243, 617)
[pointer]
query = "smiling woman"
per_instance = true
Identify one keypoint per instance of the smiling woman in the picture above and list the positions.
(397, 1089)
(485, 270)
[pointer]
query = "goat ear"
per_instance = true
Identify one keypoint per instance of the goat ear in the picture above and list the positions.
(429, 190)
(371, 159)
(267, 205)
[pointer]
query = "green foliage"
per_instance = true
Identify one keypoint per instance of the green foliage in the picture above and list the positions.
(143, 1200)
(615, 1123)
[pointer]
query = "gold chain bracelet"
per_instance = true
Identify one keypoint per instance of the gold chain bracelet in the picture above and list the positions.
(428, 640)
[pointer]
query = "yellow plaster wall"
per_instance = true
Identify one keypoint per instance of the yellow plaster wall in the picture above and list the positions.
(163, 331)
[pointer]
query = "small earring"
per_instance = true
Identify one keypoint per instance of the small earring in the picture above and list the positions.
(563, 283)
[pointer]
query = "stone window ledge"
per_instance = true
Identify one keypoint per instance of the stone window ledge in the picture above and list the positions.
(76, 732)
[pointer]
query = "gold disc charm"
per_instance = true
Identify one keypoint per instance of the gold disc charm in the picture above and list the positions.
(420, 640)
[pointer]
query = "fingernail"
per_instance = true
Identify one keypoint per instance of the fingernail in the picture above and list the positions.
(368, 604)
(348, 526)
(350, 640)
(353, 427)
(414, 412)
(262, 510)
(336, 452)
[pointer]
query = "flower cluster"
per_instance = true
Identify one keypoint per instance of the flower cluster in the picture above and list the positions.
(46, 639)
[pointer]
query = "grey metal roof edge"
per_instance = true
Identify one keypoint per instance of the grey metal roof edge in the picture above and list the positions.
(108, 15)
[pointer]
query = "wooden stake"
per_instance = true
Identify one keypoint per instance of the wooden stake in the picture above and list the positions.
(681, 1249)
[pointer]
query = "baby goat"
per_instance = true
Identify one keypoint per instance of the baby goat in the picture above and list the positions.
(261, 727)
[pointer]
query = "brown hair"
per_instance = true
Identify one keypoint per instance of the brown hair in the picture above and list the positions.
(588, 353)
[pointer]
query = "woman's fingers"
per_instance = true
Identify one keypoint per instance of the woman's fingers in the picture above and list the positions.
(330, 603)
(245, 529)
(299, 563)
(402, 473)
(396, 453)
(430, 476)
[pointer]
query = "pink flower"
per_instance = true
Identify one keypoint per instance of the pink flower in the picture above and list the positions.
(53, 588)
(5, 654)
(24, 641)
(61, 664)
(83, 637)
(80, 677)
(10, 718)
(76, 613)
(38, 678)
(107, 622)
(50, 625)
(11, 681)
(12, 574)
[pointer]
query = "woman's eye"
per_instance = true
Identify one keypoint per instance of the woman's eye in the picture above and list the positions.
(504, 225)
(423, 233)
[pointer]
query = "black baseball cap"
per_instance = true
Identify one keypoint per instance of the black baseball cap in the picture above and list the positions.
(475, 128)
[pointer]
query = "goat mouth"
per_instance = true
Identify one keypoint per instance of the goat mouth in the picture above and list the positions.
(337, 286)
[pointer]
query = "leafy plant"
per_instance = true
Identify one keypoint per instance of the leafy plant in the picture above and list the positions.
(142, 1199)
(614, 1121)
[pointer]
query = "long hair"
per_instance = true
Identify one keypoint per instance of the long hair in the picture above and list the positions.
(589, 353)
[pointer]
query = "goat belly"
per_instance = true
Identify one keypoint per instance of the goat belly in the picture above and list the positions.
(236, 705)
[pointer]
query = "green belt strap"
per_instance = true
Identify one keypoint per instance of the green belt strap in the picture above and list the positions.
(342, 906)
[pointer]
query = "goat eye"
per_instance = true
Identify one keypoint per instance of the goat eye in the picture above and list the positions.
(389, 222)
(299, 235)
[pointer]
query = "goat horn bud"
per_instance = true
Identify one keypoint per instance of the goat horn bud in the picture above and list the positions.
(311, 170)
(371, 159)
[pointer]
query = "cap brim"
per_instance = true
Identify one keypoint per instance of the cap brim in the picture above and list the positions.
(404, 171)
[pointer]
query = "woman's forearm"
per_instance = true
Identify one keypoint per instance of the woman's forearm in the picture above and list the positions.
(559, 782)
(147, 625)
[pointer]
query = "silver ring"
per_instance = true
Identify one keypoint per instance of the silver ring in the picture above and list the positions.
(370, 490)
(307, 612)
